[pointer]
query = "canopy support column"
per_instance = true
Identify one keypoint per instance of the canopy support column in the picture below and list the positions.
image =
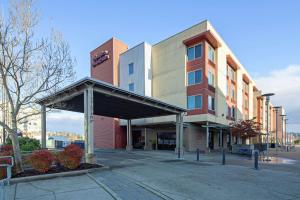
(179, 136)
(221, 138)
(43, 126)
(207, 137)
(89, 125)
(129, 136)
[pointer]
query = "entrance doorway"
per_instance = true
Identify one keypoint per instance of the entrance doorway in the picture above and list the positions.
(211, 141)
(138, 139)
(166, 140)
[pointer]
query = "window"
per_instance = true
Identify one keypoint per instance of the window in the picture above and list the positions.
(233, 112)
(232, 93)
(245, 87)
(230, 72)
(130, 68)
(194, 77)
(131, 87)
(211, 54)
(194, 52)
(194, 102)
(211, 103)
(211, 78)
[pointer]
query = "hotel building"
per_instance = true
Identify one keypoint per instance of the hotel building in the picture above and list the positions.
(193, 69)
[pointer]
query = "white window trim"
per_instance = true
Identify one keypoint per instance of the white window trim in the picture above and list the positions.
(208, 103)
(195, 102)
(209, 46)
(187, 82)
(195, 51)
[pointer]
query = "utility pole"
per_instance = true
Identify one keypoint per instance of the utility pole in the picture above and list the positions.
(282, 126)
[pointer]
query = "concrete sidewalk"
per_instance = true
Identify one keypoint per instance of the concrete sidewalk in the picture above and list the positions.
(63, 188)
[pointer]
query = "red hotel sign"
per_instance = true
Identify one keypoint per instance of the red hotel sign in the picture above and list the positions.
(98, 59)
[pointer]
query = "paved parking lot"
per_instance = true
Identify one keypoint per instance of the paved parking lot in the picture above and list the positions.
(157, 175)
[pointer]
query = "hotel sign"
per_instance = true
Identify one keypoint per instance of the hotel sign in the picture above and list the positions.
(98, 59)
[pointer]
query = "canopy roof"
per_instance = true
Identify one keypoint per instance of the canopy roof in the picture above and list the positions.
(109, 101)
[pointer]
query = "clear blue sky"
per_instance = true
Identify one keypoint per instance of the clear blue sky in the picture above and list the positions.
(264, 35)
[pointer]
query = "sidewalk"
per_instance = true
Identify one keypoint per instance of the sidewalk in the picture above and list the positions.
(75, 188)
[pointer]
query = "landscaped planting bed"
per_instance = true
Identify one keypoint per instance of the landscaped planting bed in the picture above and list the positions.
(56, 169)
(43, 161)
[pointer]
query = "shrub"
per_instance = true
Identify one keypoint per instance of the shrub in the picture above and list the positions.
(70, 157)
(41, 160)
(27, 144)
(6, 150)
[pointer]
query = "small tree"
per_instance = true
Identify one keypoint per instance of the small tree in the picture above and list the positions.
(30, 67)
(246, 128)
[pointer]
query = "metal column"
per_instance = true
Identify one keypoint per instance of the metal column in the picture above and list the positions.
(179, 135)
(129, 136)
(43, 126)
(221, 138)
(207, 137)
(89, 125)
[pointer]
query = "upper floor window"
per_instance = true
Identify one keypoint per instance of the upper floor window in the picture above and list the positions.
(131, 87)
(246, 102)
(245, 87)
(194, 102)
(233, 112)
(130, 68)
(194, 52)
(211, 78)
(211, 102)
(195, 77)
(232, 93)
(211, 53)
(230, 72)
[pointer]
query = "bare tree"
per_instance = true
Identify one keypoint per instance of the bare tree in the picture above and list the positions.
(30, 67)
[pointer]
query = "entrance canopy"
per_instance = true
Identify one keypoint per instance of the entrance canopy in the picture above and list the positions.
(94, 97)
(109, 101)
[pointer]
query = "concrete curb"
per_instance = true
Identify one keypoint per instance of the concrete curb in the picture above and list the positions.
(55, 175)
(105, 187)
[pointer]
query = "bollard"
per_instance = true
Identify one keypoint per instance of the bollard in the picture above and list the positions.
(256, 160)
(178, 152)
(198, 152)
(223, 157)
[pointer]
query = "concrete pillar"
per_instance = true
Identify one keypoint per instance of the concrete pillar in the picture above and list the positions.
(207, 137)
(89, 125)
(43, 126)
(179, 135)
(129, 136)
(221, 138)
(145, 138)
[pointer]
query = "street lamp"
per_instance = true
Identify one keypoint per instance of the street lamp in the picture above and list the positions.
(282, 131)
(286, 139)
(276, 143)
(267, 95)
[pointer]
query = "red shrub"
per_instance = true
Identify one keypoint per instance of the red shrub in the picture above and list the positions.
(70, 157)
(41, 160)
(6, 150)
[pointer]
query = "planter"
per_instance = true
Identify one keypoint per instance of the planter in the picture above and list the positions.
(31, 175)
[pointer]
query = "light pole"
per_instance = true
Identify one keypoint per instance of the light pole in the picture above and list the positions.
(286, 141)
(276, 141)
(282, 127)
(267, 95)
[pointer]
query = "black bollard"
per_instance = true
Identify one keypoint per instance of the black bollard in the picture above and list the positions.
(223, 157)
(178, 152)
(198, 152)
(256, 160)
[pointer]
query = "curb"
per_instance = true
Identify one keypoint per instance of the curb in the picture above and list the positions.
(55, 175)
